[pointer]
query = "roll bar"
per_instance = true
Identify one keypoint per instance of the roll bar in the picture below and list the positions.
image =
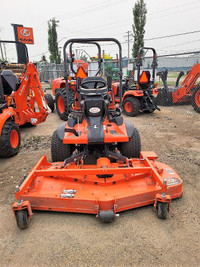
(16, 42)
(99, 56)
(91, 41)
(153, 65)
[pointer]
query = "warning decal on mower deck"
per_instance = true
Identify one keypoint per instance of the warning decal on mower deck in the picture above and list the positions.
(173, 181)
(170, 171)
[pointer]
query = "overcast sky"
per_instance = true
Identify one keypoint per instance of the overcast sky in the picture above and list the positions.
(103, 18)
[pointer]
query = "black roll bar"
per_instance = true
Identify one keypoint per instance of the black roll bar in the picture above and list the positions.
(153, 65)
(92, 40)
(16, 42)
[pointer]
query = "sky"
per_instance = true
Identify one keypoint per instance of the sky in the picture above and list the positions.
(104, 18)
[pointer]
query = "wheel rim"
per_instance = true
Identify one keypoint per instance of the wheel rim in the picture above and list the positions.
(14, 138)
(197, 98)
(61, 105)
(128, 107)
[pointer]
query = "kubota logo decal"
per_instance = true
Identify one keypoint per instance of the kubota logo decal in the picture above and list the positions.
(25, 32)
(25, 35)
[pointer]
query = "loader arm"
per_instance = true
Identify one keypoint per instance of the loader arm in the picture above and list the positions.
(185, 90)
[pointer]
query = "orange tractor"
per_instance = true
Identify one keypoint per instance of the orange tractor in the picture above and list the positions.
(139, 97)
(98, 166)
(22, 101)
(187, 92)
(59, 84)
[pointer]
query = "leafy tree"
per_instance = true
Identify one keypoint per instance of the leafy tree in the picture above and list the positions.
(52, 42)
(83, 57)
(139, 21)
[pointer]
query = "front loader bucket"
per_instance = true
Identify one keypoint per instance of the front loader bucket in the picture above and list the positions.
(164, 97)
(104, 189)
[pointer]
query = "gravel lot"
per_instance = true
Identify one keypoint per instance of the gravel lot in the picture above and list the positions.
(137, 237)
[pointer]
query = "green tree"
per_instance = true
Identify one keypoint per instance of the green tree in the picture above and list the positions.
(83, 57)
(52, 42)
(139, 21)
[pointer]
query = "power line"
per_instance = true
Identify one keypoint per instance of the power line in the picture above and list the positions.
(172, 35)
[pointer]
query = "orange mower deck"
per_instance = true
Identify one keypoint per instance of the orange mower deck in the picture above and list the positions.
(103, 189)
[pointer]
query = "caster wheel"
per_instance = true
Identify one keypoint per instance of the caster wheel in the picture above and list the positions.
(22, 218)
(162, 210)
(106, 216)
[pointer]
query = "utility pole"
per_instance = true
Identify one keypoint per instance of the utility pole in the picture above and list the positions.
(128, 35)
(1, 47)
(103, 63)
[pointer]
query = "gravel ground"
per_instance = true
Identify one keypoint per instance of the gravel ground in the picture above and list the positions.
(137, 237)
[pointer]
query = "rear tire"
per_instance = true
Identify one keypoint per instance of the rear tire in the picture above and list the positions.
(62, 104)
(131, 106)
(50, 101)
(10, 140)
(22, 218)
(196, 99)
(59, 151)
(132, 148)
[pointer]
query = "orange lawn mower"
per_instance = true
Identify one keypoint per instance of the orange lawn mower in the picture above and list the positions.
(22, 101)
(98, 166)
(59, 84)
(141, 96)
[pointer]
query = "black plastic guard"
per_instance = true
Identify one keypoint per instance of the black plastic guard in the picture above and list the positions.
(129, 128)
(95, 130)
(61, 130)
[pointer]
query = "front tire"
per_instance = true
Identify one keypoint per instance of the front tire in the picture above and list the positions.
(132, 148)
(50, 101)
(62, 104)
(10, 140)
(59, 151)
(131, 106)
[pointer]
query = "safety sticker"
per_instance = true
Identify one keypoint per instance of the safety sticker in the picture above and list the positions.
(173, 181)
(170, 171)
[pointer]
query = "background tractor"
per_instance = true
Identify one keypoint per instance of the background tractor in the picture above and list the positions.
(187, 92)
(22, 101)
(141, 96)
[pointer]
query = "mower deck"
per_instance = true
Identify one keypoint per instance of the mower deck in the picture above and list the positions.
(98, 189)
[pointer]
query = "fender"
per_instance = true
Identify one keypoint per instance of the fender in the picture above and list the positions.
(5, 115)
(129, 128)
(58, 83)
(136, 93)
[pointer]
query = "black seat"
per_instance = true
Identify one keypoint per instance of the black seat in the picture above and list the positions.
(94, 102)
(10, 81)
(93, 83)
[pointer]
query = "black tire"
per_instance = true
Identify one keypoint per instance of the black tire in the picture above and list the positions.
(132, 148)
(10, 140)
(196, 99)
(131, 106)
(50, 101)
(62, 104)
(59, 151)
(22, 218)
(162, 210)
(106, 216)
